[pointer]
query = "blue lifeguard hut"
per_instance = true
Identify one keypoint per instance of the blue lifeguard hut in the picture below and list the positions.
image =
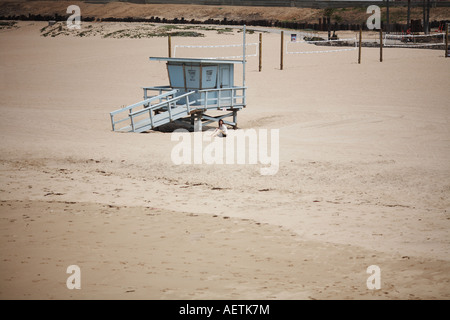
(196, 87)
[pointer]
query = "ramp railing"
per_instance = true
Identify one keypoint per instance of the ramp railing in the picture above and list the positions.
(144, 104)
(171, 111)
(160, 89)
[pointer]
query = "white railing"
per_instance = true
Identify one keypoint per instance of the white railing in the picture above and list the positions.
(169, 105)
(220, 100)
(160, 89)
(332, 43)
(167, 102)
(413, 40)
(219, 46)
(144, 104)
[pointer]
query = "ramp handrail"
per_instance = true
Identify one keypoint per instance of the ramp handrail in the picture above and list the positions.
(147, 101)
(169, 103)
(160, 89)
(159, 105)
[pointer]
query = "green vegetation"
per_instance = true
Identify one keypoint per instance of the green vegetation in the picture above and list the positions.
(114, 34)
(328, 12)
(313, 39)
(134, 31)
(8, 25)
(187, 34)
(160, 32)
(247, 31)
(170, 27)
(219, 30)
(337, 18)
(225, 30)
(83, 33)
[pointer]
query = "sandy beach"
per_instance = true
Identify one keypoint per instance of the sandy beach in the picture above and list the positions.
(363, 179)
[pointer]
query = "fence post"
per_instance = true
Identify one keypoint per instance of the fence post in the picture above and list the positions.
(446, 40)
(282, 47)
(381, 45)
(360, 41)
(260, 52)
(170, 46)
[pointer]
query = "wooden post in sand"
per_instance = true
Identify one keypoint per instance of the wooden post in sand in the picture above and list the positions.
(360, 42)
(446, 41)
(381, 45)
(260, 52)
(170, 46)
(282, 47)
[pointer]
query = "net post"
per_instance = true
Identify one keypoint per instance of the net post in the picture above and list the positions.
(169, 44)
(388, 27)
(381, 45)
(446, 41)
(260, 52)
(360, 41)
(281, 51)
(244, 62)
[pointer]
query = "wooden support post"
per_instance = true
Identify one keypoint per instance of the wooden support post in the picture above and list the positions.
(282, 48)
(381, 45)
(446, 41)
(170, 46)
(198, 122)
(329, 27)
(112, 123)
(408, 15)
(260, 52)
(388, 27)
(360, 43)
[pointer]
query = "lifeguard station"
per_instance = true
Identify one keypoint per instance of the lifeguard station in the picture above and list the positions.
(196, 87)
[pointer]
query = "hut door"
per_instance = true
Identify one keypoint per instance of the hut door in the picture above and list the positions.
(225, 82)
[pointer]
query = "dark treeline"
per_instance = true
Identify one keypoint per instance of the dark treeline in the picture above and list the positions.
(321, 25)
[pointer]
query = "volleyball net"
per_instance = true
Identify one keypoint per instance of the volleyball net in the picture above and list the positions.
(222, 51)
(414, 40)
(310, 45)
